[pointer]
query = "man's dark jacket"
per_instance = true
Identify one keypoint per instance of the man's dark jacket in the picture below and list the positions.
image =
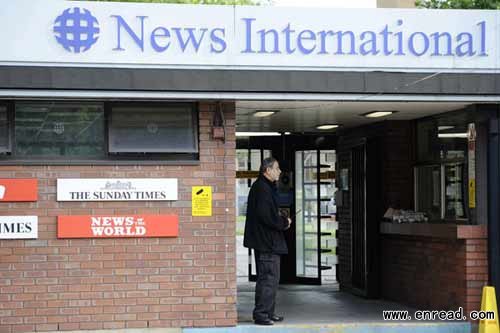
(264, 226)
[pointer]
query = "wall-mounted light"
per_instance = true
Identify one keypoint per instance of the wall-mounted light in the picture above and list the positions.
(327, 126)
(378, 114)
(264, 113)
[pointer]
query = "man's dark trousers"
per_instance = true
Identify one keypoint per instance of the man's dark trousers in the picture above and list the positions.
(268, 278)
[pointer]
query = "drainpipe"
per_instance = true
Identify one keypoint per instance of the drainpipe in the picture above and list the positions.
(493, 203)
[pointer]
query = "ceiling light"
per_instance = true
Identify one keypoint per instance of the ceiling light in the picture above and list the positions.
(288, 133)
(444, 128)
(378, 114)
(452, 135)
(257, 134)
(327, 126)
(264, 113)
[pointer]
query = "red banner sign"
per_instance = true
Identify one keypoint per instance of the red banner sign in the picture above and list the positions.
(18, 189)
(88, 226)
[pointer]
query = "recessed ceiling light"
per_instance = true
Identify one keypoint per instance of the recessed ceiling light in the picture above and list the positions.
(452, 135)
(240, 134)
(327, 126)
(264, 113)
(378, 114)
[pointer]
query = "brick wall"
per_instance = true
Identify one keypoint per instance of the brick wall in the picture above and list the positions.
(53, 284)
(432, 273)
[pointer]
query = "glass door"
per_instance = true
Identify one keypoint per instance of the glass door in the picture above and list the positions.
(307, 238)
(315, 216)
(328, 212)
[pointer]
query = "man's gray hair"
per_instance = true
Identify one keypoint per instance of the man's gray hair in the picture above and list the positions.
(268, 162)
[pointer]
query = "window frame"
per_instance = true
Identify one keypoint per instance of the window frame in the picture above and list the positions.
(9, 158)
(10, 128)
(194, 126)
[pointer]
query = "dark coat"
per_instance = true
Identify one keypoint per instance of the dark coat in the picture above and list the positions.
(264, 226)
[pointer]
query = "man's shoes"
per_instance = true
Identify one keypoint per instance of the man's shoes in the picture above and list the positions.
(277, 318)
(266, 322)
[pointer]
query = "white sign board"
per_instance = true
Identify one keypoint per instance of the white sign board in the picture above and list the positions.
(18, 227)
(112, 34)
(130, 189)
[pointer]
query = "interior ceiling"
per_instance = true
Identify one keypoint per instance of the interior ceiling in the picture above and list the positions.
(304, 116)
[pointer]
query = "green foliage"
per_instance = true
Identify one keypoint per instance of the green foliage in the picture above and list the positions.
(458, 4)
(200, 2)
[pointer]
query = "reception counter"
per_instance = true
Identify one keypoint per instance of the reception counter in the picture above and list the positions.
(436, 230)
(434, 265)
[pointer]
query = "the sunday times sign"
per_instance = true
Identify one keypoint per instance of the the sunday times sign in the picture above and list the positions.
(129, 189)
(259, 37)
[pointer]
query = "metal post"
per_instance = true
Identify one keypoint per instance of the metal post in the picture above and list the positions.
(493, 200)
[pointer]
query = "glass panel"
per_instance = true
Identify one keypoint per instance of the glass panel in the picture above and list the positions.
(255, 160)
(328, 212)
(441, 139)
(428, 188)
(59, 129)
(241, 159)
(4, 130)
(455, 191)
(242, 189)
(306, 200)
(144, 129)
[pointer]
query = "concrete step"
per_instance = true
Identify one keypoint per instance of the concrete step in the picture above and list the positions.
(428, 327)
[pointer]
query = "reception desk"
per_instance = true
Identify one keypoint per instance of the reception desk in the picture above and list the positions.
(435, 230)
(433, 265)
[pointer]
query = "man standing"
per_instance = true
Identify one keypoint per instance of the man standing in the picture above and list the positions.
(264, 233)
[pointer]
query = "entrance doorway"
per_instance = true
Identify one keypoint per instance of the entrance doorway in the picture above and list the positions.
(306, 193)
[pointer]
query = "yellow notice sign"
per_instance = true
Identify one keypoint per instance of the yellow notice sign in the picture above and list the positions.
(472, 193)
(201, 201)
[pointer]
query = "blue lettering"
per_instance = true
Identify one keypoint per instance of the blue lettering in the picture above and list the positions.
(159, 33)
(341, 35)
(191, 39)
(483, 53)
(287, 31)
(263, 33)
(437, 36)
(411, 43)
(385, 36)
(467, 43)
(218, 40)
(372, 43)
(121, 23)
(306, 35)
(322, 35)
(248, 35)
(399, 36)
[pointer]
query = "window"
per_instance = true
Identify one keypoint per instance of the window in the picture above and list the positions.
(4, 131)
(153, 129)
(59, 130)
(441, 173)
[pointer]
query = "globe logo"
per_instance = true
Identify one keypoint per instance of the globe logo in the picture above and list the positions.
(76, 29)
